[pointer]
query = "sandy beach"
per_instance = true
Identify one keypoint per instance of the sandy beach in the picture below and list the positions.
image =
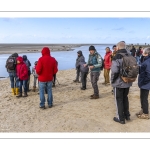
(34, 48)
(73, 109)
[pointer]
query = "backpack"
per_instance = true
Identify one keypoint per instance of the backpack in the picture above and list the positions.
(11, 63)
(99, 57)
(130, 69)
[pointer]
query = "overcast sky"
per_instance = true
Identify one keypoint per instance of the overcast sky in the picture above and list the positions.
(74, 30)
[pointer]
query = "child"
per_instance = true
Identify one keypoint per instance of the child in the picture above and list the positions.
(35, 76)
(22, 74)
(84, 73)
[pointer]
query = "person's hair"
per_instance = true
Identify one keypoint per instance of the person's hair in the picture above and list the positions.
(146, 50)
(121, 45)
(108, 48)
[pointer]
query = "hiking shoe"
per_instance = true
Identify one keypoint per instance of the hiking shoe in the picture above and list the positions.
(117, 120)
(91, 95)
(104, 83)
(83, 88)
(95, 97)
(143, 116)
(140, 112)
(42, 107)
(25, 94)
(50, 106)
(19, 95)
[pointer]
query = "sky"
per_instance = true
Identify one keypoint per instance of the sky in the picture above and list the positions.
(75, 30)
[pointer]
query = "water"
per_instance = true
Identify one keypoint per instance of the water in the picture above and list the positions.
(66, 59)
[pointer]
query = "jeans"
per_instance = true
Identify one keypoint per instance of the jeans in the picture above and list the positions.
(138, 60)
(13, 80)
(24, 84)
(48, 86)
(94, 80)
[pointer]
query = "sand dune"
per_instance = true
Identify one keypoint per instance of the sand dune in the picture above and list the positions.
(73, 109)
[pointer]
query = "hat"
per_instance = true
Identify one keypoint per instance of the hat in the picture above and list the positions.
(92, 48)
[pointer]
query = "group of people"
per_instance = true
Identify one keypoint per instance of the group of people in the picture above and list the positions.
(18, 68)
(46, 67)
(113, 62)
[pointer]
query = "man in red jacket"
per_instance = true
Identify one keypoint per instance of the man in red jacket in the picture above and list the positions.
(45, 69)
(107, 65)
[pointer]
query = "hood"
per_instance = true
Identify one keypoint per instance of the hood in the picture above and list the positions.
(24, 57)
(20, 59)
(14, 55)
(45, 51)
(80, 53)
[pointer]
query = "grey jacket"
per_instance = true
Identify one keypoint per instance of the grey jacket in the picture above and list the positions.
(116, 69)
(78, 60)
(82, 68)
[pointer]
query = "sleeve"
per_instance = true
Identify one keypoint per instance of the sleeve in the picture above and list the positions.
(29, 63)
(39, 67)
(115, 70)
(55, 68)
(24, 70)
(99, 62)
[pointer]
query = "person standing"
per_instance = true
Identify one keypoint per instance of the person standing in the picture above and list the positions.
(35, 75)
(121, 88)
(84, 73)
(144, 85)
(22, 74)
(54, 76)
(107, 66)
(138, 55)
(11, 64)
(27, 62)
(45, 69)
(133, 51)
(94, 63)
(80, 58)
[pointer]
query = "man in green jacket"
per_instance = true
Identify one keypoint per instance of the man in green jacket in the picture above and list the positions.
(95, 64)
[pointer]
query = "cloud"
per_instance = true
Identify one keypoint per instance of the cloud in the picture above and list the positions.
(148, 37)
(121, 28)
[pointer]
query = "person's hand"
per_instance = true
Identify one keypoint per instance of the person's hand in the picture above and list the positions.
(91, 67)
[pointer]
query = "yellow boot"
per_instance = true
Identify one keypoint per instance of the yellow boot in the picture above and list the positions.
(13, 91)
(17, 91)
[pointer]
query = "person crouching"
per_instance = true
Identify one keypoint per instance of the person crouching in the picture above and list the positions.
(22, 73)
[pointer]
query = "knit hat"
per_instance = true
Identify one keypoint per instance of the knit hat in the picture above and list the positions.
(92, 48)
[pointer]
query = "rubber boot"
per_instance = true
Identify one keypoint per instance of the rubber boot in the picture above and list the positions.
(13, 91)
(17, 91)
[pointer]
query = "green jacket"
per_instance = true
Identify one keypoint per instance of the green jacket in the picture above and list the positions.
(96, 61)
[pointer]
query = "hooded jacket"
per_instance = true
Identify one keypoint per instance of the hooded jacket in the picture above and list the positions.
(22, 70)
(144, 74)
(46, 66)
(116, 69)
(107, 60)
(79, 59)
(82, 68)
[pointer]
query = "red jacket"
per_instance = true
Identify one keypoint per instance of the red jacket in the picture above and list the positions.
(107, 60)
(22, 69)
(46, 66)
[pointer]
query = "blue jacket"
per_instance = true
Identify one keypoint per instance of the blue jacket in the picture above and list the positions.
(144, 74)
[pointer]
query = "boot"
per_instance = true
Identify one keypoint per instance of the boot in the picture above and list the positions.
(34, 88)
(25, 94)
(143, 116)
(19, 95)
(13, 91)
(17, 91)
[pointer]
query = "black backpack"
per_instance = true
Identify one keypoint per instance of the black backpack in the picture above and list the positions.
(130, 69)
(11, 63)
